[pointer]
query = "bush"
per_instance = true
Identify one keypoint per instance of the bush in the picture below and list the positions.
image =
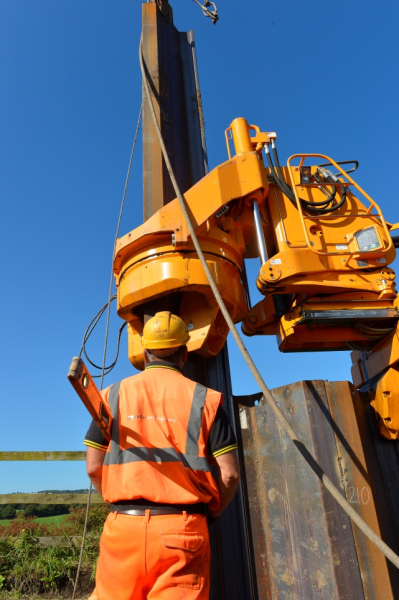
(30, 510)
(8, 512)
(28, 568)
(75, 520)
(46, 510)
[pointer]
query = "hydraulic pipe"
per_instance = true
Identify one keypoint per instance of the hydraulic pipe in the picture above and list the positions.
(259, 234)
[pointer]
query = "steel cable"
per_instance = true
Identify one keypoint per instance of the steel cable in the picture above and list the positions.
(83, 541)
(106, 335)
(116, 239)
(379, 543)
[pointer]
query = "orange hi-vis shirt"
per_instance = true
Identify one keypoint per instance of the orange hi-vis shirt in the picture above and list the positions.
(160, 428)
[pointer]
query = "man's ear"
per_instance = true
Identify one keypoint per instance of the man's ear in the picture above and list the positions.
(146, 359)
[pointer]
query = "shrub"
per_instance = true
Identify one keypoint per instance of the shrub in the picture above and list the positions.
(46, 510)
(75, 520)
(8, 512)
(28, 568)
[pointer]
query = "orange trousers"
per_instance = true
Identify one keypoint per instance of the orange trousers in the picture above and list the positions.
(163, 557)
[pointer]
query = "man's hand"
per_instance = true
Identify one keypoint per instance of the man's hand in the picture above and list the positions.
(94, 466)
(227, 480)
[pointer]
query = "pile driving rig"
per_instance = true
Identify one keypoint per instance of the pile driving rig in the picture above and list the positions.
(324, 247)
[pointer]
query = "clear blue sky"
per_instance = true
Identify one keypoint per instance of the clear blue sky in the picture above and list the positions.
(322, 74)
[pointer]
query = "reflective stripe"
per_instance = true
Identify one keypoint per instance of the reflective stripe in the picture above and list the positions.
(195, 420)
(224, 450)
(157, 455)
(114, 454)
(91, 444)
(190, 459)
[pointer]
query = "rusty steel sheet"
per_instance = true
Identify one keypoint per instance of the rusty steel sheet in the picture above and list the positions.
(370, 469)
(304, 544)
(169, 57)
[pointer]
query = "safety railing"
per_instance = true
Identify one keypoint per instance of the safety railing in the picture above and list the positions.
(376, 253)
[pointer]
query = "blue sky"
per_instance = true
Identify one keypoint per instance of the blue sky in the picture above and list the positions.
(323, 75)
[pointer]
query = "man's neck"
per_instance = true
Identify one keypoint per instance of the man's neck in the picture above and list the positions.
(162, 363)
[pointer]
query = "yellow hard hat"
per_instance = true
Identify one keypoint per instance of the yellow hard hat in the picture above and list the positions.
(165, 330)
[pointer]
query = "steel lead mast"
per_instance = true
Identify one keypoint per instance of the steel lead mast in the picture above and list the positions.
(170, 60)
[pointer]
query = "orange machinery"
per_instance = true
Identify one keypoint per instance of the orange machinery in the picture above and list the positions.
(324, 248)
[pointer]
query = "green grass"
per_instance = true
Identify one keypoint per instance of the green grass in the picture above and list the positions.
(58, 519)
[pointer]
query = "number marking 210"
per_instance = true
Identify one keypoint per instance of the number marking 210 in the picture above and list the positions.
(359, 496)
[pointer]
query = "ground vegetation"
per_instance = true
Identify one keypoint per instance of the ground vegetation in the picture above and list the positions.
(30, 570)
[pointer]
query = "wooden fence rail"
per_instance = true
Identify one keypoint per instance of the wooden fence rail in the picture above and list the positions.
(47, 455)
(46, 498)
(59, 541)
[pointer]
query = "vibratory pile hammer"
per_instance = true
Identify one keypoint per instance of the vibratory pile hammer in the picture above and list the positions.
(324, 248)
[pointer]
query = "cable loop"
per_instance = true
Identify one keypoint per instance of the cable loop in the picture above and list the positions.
(281, 418)
(213, 14)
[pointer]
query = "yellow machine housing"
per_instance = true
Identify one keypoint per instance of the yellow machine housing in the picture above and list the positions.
(376, 371)
(158, 259)
(325, 283)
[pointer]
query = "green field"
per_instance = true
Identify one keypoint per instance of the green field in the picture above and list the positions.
(58, 519)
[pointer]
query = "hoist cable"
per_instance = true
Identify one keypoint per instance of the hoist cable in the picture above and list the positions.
(116, 239)
(213, 14)
(105, 370)
(83, 541)
(394, 558)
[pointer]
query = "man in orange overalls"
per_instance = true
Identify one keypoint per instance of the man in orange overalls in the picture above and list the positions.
(155, 472)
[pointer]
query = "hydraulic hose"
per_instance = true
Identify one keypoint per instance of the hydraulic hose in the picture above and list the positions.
(385, 549)
(308, 205)
(284, 187)
(322, 207)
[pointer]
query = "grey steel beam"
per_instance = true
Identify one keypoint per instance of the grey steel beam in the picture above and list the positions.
(171, 64)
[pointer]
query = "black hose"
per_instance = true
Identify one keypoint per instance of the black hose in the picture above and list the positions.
(305, 203)
(93, 323)
(395, 240)
(324, 211)
(111, 366)
(322, 207)
(343, 162)
(284, 187)
(89, 331)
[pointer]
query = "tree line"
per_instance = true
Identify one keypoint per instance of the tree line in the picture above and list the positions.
(9, 511)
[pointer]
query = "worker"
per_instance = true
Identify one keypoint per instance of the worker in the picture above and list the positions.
(156, 472)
